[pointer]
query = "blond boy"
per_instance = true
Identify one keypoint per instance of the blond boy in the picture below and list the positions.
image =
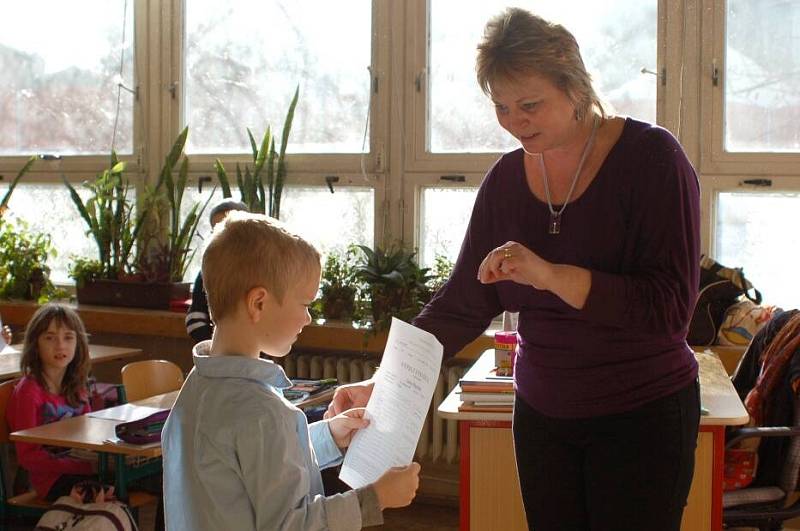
(237, 455)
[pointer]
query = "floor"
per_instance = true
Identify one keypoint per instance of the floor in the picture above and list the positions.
(416, 517)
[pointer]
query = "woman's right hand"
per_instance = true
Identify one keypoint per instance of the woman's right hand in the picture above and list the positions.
(397, 486)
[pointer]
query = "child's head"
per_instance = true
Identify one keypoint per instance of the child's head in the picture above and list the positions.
(252, 264)
(222, 209)
(55, 338)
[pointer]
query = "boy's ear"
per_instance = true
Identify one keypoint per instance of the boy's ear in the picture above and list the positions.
(256, 303)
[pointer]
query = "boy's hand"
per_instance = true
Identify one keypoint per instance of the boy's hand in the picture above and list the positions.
(397, 486)
(349, 396)
(344, 425)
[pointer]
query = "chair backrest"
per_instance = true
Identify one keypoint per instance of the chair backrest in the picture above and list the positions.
(5, 394)
(147, 378)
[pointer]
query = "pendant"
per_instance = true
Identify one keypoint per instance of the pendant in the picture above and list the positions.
(555, 223)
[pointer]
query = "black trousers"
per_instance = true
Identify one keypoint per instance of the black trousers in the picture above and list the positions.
(628, 471)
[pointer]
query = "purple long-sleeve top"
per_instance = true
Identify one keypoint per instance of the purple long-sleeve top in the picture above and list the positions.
(636, 229)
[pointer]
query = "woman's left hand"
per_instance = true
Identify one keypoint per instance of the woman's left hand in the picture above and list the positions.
(513, 261)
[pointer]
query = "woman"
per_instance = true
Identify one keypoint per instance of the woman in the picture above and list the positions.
(591, 232)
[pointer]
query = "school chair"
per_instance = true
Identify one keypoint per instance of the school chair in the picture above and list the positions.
(767, 506)
(769, 366)
(143, 379)
(25, 504)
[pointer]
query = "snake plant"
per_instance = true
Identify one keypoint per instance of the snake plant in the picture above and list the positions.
(261, 189)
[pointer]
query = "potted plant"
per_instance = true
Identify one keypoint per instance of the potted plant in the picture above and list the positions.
(24, 273)
(397, 286)
(442, 269)
(141, 259)
(269, 166)
(339, 287)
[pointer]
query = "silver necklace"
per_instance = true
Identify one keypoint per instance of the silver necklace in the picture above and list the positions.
(554, 227)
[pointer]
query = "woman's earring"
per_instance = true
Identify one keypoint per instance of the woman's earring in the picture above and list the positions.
(578, 115)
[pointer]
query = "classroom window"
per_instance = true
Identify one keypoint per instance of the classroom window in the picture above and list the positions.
(330, 221)
(461, 117)
(58, 95)
(48, 208)
(762, 72)
(244, 58)
(444, 215)
(757, 231)
(191, 196)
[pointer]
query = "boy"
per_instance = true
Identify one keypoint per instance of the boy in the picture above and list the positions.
(237, 455)
(198, 322)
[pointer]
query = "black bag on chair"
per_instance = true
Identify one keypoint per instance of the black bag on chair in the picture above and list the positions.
(720, 287)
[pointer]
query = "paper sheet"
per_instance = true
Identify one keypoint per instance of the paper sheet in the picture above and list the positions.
(125, 412)
(403, 391)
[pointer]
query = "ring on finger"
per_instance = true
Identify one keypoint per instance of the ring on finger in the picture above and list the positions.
(507, 253)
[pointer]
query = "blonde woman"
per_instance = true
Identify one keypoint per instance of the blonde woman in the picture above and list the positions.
(590, 230)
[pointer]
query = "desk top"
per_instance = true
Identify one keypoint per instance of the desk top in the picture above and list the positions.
(93, 433)
(717, 395)
(10, 356)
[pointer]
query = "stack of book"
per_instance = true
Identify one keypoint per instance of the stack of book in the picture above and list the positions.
(306, 393)
(482, 389)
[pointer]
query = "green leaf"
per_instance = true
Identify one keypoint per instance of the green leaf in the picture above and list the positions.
(253, 146)
(177, 149)
(222, 177)
(281, 173)
(23, 171)
(261, 157)
(240, 183)
(119, 167)
(181, 186)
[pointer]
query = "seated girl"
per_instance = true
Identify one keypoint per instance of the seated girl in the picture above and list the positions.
(55, 366)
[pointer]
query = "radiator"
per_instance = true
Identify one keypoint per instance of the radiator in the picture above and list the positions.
(439, 438)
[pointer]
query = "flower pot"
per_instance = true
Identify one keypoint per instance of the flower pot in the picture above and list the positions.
(339, 309)
(154, 295)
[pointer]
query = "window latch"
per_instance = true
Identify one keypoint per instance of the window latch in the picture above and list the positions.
(202, 179)
(329, 180)
(662, 76)
(453, 178)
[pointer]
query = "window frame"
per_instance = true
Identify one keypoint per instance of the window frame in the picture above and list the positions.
(425, 169)
(715, 159)
(73, 166)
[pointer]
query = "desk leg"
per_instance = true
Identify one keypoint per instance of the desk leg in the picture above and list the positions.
(102, 466)
(463, 488)
(719, 471)
(122, 479)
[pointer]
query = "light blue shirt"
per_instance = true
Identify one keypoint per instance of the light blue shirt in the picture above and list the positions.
(238, 456)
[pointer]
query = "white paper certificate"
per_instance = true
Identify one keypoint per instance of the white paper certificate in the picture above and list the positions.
(400, 401)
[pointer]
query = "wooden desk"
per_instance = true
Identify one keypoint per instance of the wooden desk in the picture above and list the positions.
(10, 356)
(94, 433)
(489, 490)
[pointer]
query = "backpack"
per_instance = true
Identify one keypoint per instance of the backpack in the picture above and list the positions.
(720, 288)
(67, 514)
(742, 321)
